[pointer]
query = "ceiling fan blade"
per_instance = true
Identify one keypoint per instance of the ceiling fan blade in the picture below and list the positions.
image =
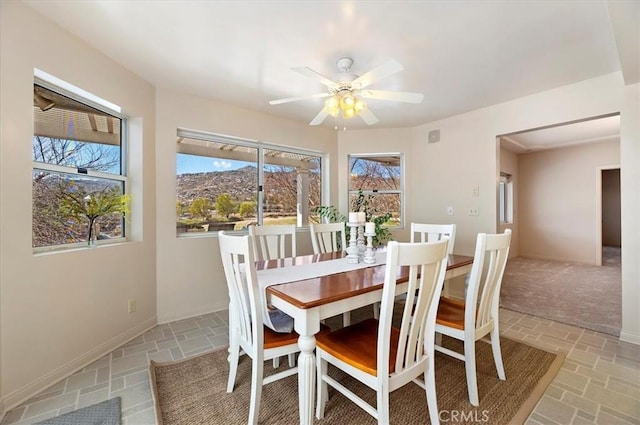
(396, 96)
(295, 99)
(368, 116)
(308, 72)
(320, 117)
(390, 67)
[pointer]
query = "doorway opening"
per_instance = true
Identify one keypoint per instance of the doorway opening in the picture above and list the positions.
(608, 249)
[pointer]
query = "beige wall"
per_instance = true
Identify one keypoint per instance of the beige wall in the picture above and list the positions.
(61, 310)
(509, 164)
(559, 202)
(630, 193)
(190, 276)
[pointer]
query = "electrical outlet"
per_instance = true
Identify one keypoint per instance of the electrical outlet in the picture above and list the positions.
(476, 191)
(450, 210)
(474, 211)
(132, 305)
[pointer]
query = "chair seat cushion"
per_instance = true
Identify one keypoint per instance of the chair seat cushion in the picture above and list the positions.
(357, 345)
(450, 313)
(273, 339)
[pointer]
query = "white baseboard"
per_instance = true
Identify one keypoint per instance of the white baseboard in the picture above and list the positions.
(174, 317)
(23, 394)
(630, 338)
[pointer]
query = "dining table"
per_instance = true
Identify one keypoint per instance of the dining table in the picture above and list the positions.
(333, 290)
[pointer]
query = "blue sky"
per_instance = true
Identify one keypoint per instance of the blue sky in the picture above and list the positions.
(186, 164)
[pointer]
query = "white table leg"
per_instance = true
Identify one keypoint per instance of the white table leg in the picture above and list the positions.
(306, 378)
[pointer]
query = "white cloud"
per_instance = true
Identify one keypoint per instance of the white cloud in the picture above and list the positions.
(222, 164)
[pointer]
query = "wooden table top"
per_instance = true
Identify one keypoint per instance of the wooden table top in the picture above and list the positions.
(326, 289)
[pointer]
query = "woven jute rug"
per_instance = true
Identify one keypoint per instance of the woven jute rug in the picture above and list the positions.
(193, 391)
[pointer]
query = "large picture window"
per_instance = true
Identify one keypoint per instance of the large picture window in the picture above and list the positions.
(378, 180)
(78, 155)
(225, 183)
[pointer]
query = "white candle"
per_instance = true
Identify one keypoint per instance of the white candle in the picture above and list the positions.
(361, 217)
(370, 228)
(353, 217)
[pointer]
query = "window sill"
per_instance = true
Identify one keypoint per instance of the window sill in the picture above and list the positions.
(77, 247)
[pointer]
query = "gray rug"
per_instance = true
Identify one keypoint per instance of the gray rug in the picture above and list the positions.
(105, 413)
(576, 294)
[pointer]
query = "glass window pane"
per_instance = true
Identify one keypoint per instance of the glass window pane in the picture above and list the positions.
(379, 204)
(289, 176)
(70, 133)
(374, 173)
(54, 223)
(216, 191)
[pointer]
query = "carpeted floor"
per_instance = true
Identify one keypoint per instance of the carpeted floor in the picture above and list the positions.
(193, 391)
(577, 294)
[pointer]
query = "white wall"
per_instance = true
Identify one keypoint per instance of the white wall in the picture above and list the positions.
(190, 276)
(558, 201)
(61, 310)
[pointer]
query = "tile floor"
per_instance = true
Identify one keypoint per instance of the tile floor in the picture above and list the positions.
(599, 382)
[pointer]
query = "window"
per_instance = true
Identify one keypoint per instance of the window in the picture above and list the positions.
(379, 178)
(226, 183)
(505, 193)
(78, 154)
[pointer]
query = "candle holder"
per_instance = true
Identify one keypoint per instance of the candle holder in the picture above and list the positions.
(353, 256)
(369, 255)
(361, 244)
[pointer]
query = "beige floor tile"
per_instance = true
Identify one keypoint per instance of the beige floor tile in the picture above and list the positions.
(616, 401)
(555, 410)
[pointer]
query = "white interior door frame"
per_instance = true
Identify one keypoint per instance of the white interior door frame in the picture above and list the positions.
(599, 171)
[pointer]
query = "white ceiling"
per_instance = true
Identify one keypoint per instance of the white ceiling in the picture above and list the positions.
(462, 55)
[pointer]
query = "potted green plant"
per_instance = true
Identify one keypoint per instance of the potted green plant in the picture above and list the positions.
(362, 203)
(89, 207)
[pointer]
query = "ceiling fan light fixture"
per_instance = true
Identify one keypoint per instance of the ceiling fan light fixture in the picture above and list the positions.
(348, 113)
(359, 105)
(347, 101)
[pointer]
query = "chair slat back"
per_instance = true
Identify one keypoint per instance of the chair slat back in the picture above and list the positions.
(433, 232)
(240, 271)
(485, 279)
(427, 263)
(270, 242)
(328, 237)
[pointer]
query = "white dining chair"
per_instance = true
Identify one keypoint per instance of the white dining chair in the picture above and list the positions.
(328, 237)
(380, 355)
(246, 328)
(423, 232)
(477, 316)
(273, 242)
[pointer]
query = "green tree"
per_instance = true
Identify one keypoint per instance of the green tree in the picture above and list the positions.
(247, 208)
(225, 205)
(180, 209)
(201, 207)
(76, 203)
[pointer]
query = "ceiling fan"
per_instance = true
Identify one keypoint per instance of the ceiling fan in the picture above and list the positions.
(345, 94)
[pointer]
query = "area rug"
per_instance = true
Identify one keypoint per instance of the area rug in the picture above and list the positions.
(193, 391)
(581, 295)
(104, 413)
